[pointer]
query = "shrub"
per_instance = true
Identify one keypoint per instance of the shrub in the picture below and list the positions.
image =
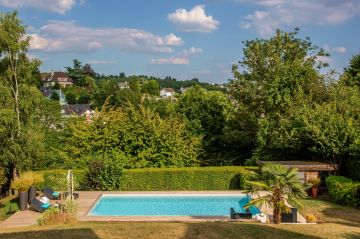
(56, 179)
(3, 178)
(22, 183)
(311, 218)
(54, 215)
(71, 208)
(51, 216)
(315, 183)
(104, 175)
(164, 179)
(343, 190)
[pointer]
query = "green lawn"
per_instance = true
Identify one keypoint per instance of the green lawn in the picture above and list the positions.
(8, 206)
(335, 222)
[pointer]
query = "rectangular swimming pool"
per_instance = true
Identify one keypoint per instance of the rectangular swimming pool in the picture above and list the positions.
(170, 205)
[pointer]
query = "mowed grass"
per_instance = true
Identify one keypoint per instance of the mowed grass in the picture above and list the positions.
(335, 222)
(8, 206)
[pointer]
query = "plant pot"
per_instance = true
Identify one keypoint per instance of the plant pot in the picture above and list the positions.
(23, 200)
(32, 193)
(315, 192)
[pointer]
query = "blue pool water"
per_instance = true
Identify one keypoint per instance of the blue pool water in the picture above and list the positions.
(170, 205)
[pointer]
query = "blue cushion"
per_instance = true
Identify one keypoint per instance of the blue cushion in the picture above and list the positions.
(45, 205)
(56, 194)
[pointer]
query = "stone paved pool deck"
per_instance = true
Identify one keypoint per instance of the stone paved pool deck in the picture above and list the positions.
(88, 198)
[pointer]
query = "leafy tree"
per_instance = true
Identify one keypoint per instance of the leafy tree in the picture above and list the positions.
(136, 137)
(76, 72)
(88, 70)
(104, 174)
(56, 86)
(164, 108)
(351, 75)
(282, 184)
(151, 87)
(55, 96)
(20, 137)
(207, 114)
(275, 70)
(71, 98)
(122, 75)
(134, 85)
(84, 98)
(105, 89)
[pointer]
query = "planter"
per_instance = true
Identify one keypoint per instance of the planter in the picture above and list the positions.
(315, 191)
(32, 193)
(23, 200)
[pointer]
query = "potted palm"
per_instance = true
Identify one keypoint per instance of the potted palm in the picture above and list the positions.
(22, 185)
(315, 187)
(281, 186)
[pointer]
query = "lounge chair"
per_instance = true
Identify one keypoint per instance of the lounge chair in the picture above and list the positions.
(39, 206)
(51, 194)
(240, 215)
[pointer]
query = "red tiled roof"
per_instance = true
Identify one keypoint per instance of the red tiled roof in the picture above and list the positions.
(54, 77)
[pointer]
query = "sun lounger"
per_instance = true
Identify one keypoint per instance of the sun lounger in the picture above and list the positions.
(39, 206)
(240, 215)
(51, 194)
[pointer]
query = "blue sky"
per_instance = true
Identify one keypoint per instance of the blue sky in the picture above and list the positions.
(181, 38)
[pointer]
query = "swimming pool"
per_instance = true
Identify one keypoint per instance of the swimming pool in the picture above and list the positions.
(170, 205)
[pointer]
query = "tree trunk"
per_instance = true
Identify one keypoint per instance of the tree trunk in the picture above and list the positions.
(14, 175)
(276, 216)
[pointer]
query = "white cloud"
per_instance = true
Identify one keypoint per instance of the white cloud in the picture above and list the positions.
(294, 13)
(194, 20)
(101, 62)
(339, 49)
(191, 51)
(182, 58)
(173, 40)
(171, 60)
(60, 36)
(58, 6)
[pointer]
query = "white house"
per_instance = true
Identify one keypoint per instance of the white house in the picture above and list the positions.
(167, 92)
(57, 77)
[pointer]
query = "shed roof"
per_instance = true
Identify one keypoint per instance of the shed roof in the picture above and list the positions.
(303, 165)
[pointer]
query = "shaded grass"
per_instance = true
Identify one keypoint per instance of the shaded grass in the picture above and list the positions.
(8, 206)
(162, 230)
(335, 222)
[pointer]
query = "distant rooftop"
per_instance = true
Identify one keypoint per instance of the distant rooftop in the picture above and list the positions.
(303, 165)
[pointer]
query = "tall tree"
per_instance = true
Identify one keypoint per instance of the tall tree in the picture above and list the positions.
(16, 75)
(351, 76)
(137, 137)
(76, 72)
(23, 109)
(207, 114)
(274, 71)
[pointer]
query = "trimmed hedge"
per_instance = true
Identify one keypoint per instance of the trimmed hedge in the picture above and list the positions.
(163, 179)
(166, 179)
(343, 190)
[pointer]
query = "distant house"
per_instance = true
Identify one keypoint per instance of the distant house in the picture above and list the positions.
(77, 110)
(123, 85)
(167, 92)
(57, 77)
(182, 90)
